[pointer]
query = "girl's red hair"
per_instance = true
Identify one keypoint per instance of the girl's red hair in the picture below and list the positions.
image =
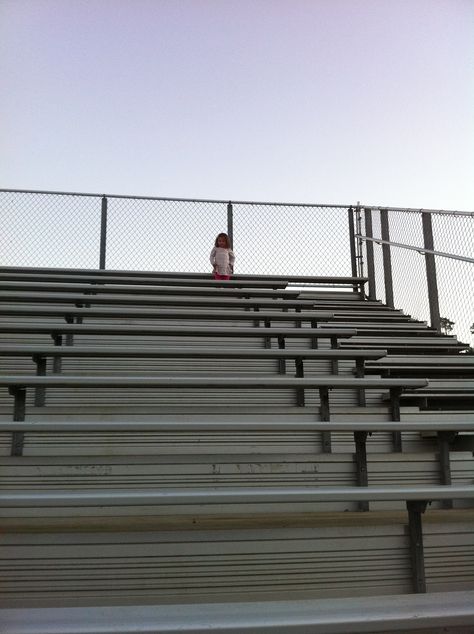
(227, 241)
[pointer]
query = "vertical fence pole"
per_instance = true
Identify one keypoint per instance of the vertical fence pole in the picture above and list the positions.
(103, 233)
(387, 258)
(431, 271)
(359, 244)
(230, 223)
(369, 245)
(352, 244)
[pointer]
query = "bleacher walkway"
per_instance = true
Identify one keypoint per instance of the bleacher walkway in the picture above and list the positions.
(185, 455)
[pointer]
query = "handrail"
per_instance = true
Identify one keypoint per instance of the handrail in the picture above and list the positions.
(420, 250)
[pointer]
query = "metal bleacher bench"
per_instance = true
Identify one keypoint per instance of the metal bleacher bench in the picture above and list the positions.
(416, 499)
(18, 385)
(155, 300)
(146, 280)
(423, 365)
(446, 431)
(17, 273)
(397, 613)
(80, 314)
(88, 289)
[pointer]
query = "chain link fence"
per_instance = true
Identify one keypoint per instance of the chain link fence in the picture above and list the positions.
(452, 235)
(150, 234)
(72, 230)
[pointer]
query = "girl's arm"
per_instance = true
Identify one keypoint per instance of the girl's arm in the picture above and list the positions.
(231, 259)
(212, 257)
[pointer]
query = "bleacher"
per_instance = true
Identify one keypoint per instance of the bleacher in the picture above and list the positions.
(270, 454)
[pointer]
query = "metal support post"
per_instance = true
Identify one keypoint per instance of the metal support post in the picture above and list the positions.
(395, 393)
(352, 243)
(359, 244)
(300, 399)
(281, 362)
(230, 223)
(256, 322)
(415, 530)
(431, 271)
(58, 341)
(334, 362)
(360, 438)
(298, 321)
(445, 438)
(69, 337)
(360, 373)
(19, 409)
(325, 416)
(387, 259)
(369, 245)
(103, 233)
(40, 392)
(314, 340)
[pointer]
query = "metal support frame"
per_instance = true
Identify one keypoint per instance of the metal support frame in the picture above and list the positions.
(431, 271)
(325, 414)
(415, 531)
(395, 393)
(370, 255)
(360, 438)
(387, 259)
(103, 233)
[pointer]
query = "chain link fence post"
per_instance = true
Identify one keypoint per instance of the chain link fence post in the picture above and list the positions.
(370, 254)
(359, 244)
(387, 258)
(230, 223)
(431, 271)
(103, 233)
(352, 244)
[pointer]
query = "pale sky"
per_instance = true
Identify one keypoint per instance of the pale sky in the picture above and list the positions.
(325, 101)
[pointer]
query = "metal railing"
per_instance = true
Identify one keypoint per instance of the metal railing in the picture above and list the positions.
(421, 260)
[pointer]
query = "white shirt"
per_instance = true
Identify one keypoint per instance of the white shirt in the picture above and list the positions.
(223, 260)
